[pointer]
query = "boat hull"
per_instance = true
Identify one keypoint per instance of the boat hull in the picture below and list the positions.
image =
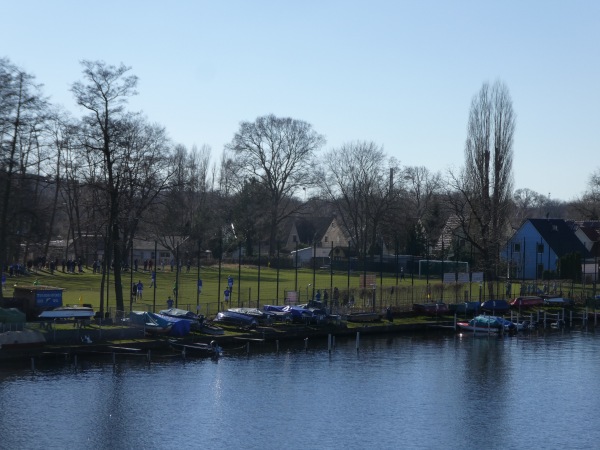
(477, 329)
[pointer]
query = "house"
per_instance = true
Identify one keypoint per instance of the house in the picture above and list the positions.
(319, 236)
(538, 245)
(588, 232)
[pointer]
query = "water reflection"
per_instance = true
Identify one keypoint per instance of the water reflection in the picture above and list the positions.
(442, 391)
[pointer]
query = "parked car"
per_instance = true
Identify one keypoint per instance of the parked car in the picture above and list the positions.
(528, 301)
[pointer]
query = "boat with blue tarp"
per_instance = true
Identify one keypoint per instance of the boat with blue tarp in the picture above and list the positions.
(487, 324)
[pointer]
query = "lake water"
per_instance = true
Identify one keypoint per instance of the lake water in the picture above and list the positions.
(407, 391)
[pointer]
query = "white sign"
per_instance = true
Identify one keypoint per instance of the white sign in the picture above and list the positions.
(463, 277)
(449, 277)
(477, 277)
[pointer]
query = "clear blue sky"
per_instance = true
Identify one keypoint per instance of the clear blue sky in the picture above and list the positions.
(399, 73)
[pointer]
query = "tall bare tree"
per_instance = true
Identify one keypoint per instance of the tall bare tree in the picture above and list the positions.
(22, 114)
(279, 154)
(103, 94)
(482, 191)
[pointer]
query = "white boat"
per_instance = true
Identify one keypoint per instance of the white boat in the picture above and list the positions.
(68, 312)
(15, 340)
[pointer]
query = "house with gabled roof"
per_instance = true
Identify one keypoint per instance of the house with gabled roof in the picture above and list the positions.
(317, 237)
(588, 232)
(538, 245)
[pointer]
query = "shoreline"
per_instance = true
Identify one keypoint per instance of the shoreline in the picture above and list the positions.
(97, 339)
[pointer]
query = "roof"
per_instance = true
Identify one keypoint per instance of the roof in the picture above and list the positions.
(312, 229)
(559, 234)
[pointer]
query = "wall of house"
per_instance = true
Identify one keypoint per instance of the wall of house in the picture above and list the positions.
(526, 260)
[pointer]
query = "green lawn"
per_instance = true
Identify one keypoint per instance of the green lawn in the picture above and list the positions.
(249, 291)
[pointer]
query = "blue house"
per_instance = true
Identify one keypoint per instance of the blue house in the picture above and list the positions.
(538, 245)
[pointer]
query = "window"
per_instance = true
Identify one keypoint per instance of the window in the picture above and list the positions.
(294, 238)
(517, 247)
(325, 238)
(540, 248)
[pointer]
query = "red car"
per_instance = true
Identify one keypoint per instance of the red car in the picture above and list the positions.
(529, 301)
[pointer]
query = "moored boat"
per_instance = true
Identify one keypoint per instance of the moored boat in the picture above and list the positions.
(261, 316)
(487, 324)
(431, 309)
(363, 317)
(15, 340)
(210, 329)
(149, 322)
(495, 306)
(68, 312)
(195, 320)
(237, 319)
(465, 307)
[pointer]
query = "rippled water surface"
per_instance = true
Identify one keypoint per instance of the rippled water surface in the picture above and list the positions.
(443, 391)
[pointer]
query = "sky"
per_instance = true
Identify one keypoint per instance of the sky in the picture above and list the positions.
(401, 74)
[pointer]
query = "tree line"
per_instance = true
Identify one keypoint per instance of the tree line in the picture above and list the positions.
(112, 172)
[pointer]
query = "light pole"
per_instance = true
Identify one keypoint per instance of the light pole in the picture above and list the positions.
(131, 293)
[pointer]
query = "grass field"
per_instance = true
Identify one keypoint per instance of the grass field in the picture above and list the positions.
(253, 288)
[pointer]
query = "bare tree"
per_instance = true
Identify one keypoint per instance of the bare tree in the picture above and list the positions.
(357, 182)
(279, 154)
(22, 114)
(421, 206)
(482, 191)
(103, 95)
(588, 206)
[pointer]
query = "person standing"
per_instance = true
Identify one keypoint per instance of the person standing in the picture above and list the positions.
(227, 294)
(169, 302)
(140, 289)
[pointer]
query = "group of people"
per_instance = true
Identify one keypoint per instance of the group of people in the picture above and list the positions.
(229, 289)
(325, 296)
(137, 291)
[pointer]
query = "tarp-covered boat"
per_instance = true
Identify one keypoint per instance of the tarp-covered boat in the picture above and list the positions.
(194, 319)
(12, 315)
(261, 316)
(150, 322)
(495, 306)
(237, 319)
(487, 324)
(179, 327)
